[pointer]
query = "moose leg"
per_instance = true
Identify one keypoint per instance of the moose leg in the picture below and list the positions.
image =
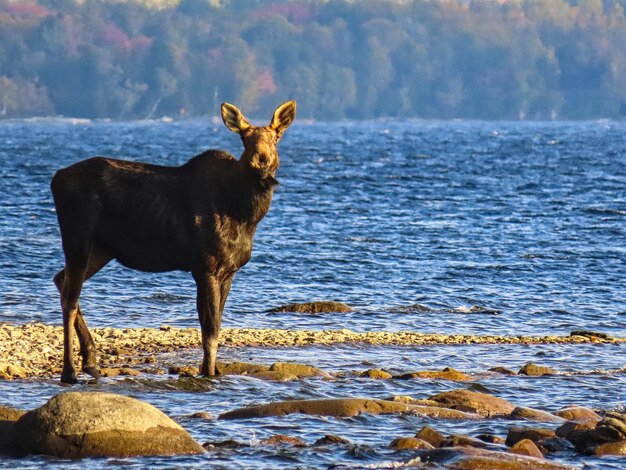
(85, 340)
(208, 303)
(224, 290)
(72, 285)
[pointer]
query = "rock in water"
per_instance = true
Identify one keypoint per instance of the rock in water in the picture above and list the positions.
(481, 403)
(313, 307)
(96, 424)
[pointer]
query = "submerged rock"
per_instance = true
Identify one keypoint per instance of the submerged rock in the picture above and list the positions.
(611, 448)
(331, 440)
(92, 424)
(298, 370)
(313, 307)
(409, 443)
(446, 374)
(282, 439)
(470, 458)
(480, 403)
(535, 370)
(342, 407)
(530, 414)
(376, 374)
(239, 368)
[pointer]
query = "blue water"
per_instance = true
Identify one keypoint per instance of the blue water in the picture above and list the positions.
(444, 227)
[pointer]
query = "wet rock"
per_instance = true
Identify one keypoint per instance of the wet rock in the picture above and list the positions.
(8, 416)
(240, 368)
(555, 444)
(376, 374)
(201, 415)
(430, 435)
(341, 407)
(579, 414)
(183, 371)
(591, 334)
(526, 447)
(611, 448)
(502, 370)
(530, 414)
(275, 375)
(409, 443)
(518, 433)
(446, 374)
(313, 307)
(282, 439)
(471, 458)
(491, 438)
(535, 370)
(299, 370)
(227, 444)
(578, 433)
(611, 428)
(331, 440)
(90, 424)
(463, 440)
(481, 403)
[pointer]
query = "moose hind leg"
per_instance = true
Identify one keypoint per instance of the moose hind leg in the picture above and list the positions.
(72, 284)
(85, 340)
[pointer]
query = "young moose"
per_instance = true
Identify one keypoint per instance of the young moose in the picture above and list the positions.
(198, 217)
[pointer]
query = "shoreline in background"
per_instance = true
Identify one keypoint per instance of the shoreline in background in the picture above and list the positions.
(34, 350)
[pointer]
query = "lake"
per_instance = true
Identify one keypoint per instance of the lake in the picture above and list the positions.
(507, 228)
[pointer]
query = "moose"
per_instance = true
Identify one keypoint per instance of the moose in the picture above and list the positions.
(199, 217)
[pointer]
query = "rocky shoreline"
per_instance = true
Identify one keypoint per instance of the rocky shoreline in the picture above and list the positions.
(34, 350)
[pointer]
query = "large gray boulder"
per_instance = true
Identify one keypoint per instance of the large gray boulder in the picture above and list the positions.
(93, 424)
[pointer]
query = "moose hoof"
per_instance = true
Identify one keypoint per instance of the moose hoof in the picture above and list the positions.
(92, 370)
(69, 377)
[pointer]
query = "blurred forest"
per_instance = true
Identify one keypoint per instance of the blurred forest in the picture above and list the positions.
(484, 59)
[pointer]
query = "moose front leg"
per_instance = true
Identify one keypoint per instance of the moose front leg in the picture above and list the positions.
(208, 303)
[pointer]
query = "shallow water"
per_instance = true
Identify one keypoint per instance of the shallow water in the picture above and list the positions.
(445, 227)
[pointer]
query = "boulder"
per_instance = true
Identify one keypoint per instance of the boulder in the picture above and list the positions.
(313, 307)
(341, 407)
(481, 403)
(430, 435)
(463, 440)
(471, 458)
(8, 416)
(446, 374)
(409, 443)
(535, 370)
(518, 433)
(93, 424)
(611, 428)
(526, 447)
(611, 448)
(579, 434)
(578, 414)
(376, 374)
(530, 414)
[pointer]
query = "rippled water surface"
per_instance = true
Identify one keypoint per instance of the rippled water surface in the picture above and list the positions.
(455, 227)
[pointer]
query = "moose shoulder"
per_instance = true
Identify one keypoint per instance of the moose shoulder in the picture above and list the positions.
(199, 217)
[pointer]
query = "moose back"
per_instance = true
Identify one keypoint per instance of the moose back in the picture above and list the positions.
(199, 217)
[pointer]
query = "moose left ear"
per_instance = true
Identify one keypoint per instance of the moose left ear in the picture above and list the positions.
(283, 117)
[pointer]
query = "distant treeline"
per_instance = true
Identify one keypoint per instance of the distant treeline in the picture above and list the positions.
(486, 59)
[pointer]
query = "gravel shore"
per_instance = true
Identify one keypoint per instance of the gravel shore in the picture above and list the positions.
(34, 350)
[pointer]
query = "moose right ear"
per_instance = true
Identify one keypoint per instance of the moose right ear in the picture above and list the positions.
(233, 118)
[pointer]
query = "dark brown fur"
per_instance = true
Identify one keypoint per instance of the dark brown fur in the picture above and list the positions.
(199, 217)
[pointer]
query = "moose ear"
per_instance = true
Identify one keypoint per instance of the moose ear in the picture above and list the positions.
(233, 118)
(283, 117)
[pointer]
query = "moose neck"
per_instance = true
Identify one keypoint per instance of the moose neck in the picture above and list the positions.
(254, 194)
